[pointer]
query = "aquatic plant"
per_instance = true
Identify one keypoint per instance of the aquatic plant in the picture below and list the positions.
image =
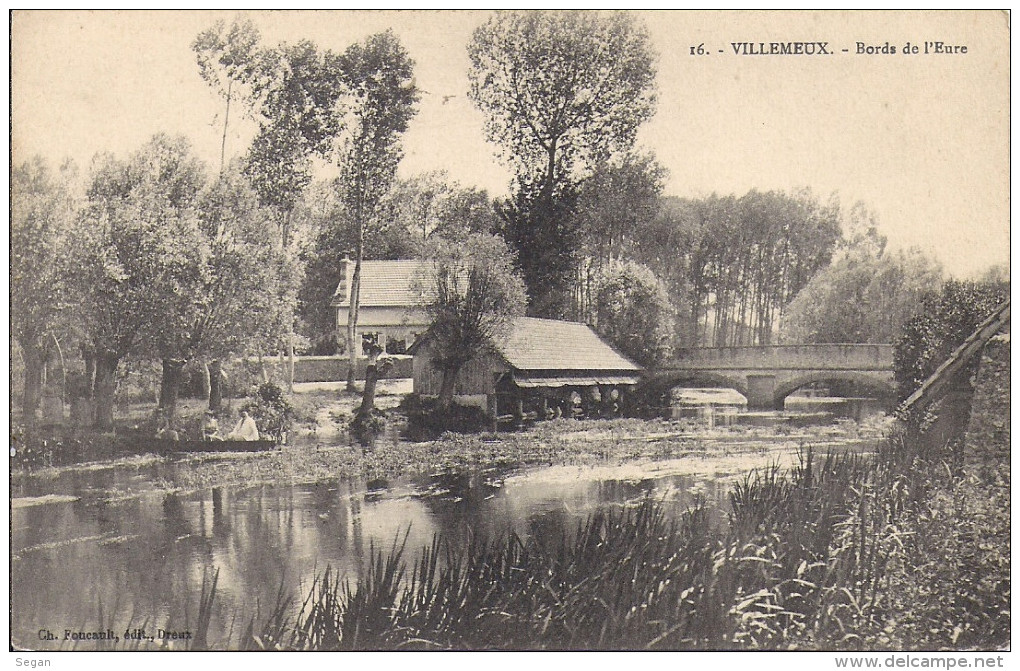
(820, 557)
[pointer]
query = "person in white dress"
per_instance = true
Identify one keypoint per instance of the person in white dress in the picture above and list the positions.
(245, 429)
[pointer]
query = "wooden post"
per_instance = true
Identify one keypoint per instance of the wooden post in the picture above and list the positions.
(519, 411)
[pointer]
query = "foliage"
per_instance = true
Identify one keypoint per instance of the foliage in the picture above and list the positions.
(382, 98)
(272, 412)
(731, 265)
(615, 202)
(471, 296)
(544, 238)
(951, 588)
(562, 92)
(230, 56)
(427, 421)
(230, 59)
(42, 211)
(430, 204)
(248, 279)
(865, 295)
(366, 427)
(296, 121)
(619, 199)
(138, 241)
(944, 321)
(632, 312)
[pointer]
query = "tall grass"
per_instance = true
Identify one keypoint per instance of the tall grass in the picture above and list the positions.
(819, 557)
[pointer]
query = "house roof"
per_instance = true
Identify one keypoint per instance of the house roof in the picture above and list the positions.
(549, 344)
(383, 284)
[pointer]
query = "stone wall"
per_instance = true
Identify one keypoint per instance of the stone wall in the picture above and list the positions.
(987, 436)
(334, 368)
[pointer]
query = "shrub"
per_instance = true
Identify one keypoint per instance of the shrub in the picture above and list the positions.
(365, 429)
(946, 319)
(272, 412)
(426, 422)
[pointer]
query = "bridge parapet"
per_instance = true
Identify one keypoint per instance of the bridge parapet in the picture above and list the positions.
(837, 356)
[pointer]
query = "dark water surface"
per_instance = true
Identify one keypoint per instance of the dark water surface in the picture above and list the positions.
(104, 549)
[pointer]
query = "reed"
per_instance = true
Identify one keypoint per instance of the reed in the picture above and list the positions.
(811, 558)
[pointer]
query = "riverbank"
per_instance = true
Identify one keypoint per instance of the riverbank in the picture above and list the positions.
(589, 443)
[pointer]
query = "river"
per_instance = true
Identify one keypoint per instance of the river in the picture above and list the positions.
(101, 548)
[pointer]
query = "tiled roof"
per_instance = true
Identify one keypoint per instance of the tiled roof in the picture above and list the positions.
(383, 284)
(548, 344)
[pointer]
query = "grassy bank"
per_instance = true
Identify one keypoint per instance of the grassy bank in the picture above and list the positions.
(839, 553)
(558, 442)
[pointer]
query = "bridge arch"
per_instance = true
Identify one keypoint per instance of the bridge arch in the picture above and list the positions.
(660, 383)
(786, 387)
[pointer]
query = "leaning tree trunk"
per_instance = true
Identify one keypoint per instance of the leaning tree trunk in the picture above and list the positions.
(368, 396)
(105, 387)
(169, 389)
(215, 385)
(33, 357)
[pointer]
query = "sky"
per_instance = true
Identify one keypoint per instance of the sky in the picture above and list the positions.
(921, 140)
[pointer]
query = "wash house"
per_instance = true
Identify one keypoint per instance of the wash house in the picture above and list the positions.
(543, 369)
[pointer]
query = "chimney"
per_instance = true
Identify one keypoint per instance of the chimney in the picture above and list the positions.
(346, 270)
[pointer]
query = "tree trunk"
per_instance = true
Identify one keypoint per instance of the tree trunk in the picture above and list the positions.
(352, 312)
(226, 120)
(446, 388)
(368, 396)
(90, 374)
(33, 357)
(206, 381)
(290, 362)
(169, 389)
(215, 385)
(105, 387)
(262, 369)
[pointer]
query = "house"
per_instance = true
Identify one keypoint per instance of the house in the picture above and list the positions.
(543, 368)
(388, 310)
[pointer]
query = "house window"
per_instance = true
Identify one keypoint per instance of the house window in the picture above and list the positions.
(367, 340)
(396, 345)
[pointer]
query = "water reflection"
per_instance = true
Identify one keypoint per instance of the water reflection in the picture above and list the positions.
(139, 561)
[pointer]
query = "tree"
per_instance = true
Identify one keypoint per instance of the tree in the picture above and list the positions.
(542, 232)
(432, 204)
(135, 259)
(632, 311)
(42, 210)
(562, 92)
(298, 120)
(732, 265)
(231, 60)
(245, 269)
(381, 97)
(472, 296)
(945, 320)
(620, 198)
(865, 295)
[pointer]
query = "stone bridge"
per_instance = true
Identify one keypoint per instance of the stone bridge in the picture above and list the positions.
(766, 375)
